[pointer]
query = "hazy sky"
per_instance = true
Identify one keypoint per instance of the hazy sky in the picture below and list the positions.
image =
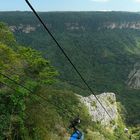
(72, 5)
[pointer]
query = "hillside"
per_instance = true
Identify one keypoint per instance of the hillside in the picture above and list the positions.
(105, 47)
(33, 106)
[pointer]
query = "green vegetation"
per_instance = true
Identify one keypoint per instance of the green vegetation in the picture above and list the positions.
(105, 57)
(18, 64)
(110, 100)
(94, 104)
(26, 115)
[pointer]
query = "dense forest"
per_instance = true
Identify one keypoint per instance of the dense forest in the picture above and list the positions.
(103, 46)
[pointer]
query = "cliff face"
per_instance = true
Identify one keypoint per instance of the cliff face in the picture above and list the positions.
(103, 46)
(122, 25)
(22, 28)
(96, 110)
(75, 26)
(134, 77)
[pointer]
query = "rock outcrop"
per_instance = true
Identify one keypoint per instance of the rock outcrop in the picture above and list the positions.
(75, 26)
(134, 77)
(23, 28)
(97, 112)
(121, 25)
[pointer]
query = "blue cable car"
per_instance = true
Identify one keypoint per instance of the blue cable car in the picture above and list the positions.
(77, 135)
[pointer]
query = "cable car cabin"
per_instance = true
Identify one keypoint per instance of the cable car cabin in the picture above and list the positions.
(77, 135)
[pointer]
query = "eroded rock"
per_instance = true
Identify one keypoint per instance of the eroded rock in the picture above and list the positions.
(134, 77)
(97, 112)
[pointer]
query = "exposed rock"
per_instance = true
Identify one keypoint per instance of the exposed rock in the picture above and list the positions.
(23, 28)
(28, 29)
(20, 27)
(105, 25)
(123, 25)
(13, 28)
(74, 26)
(134, 77)
(96, 110)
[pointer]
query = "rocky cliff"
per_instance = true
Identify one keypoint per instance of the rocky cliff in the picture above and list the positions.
(96, 110)
(122, 25)
(134, 77)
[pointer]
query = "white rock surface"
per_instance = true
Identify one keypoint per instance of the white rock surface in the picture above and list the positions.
(123, 25)
(96, 110)
(23, 28)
